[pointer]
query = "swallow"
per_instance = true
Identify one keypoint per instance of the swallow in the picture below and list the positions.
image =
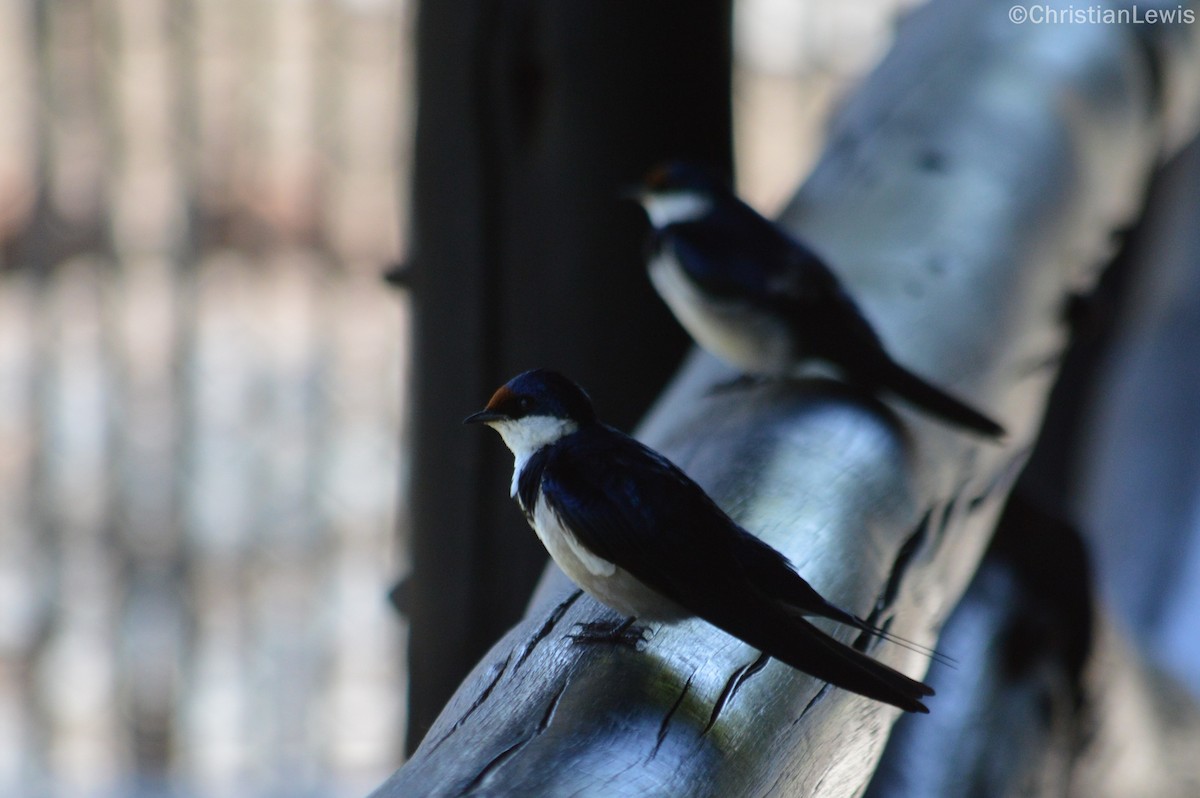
(635, 532)
(761, 300)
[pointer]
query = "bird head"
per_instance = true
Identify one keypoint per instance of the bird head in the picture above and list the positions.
(678, 191)
(534, 409)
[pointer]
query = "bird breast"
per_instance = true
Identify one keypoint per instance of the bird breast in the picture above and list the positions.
(745, 337)
(603, 580)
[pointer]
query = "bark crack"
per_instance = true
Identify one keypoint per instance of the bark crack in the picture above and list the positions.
(546, 628)
(1004, 478)
(891, 587)
(495, 674)
(735, 682)
(666, 721)
(551, 708)
(496, 762)
(824, 689)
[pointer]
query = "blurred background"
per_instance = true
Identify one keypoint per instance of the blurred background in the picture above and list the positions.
(203, 376)
(200, 395)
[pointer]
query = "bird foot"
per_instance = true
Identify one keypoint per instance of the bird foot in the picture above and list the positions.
(622, 633)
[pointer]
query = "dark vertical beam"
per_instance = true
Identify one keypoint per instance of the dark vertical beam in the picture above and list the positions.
(531, 117)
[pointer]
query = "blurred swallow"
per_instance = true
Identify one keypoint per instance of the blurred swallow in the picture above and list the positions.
(761, 300)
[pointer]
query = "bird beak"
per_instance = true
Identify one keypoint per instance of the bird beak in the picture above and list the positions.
(484, 416)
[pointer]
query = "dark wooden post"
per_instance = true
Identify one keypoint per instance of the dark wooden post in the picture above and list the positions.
(531, 118)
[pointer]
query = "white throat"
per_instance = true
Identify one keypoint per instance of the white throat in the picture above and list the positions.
(525, 436)
(675, 207)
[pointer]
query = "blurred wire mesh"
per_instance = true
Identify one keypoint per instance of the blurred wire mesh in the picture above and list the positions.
(200, 395)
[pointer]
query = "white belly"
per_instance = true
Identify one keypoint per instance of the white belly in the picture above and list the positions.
(600, 578)
(750, 341)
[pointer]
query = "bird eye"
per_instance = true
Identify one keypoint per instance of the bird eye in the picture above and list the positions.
(525, 403)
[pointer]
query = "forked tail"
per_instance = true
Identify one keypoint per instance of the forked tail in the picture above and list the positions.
(935, 401)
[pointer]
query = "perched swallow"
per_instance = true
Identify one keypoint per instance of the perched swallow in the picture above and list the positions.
(762, 301)
(636, 533)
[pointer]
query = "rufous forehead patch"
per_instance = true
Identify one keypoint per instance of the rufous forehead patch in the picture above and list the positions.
(500, 398)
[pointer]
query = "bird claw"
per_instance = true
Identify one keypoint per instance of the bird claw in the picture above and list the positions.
(622, 633)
